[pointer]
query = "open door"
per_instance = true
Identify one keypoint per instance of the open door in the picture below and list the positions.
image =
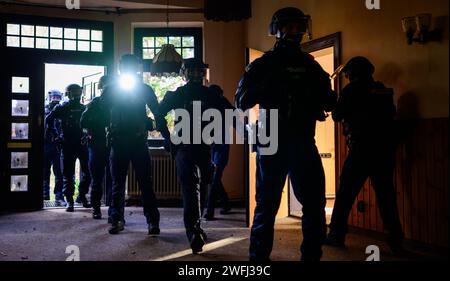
(326, 52)
(27, 43)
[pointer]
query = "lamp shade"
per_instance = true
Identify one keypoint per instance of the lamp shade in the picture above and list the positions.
(167, 61)
(423, 22)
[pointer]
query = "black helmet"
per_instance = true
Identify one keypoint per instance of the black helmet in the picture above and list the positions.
(74, 91)
(289, 15)
(194, 70)
(193, 64)
(359, 67)
(129, 58)
(105, 81)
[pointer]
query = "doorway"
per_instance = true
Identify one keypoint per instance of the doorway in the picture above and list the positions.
(326, 51)
(29, 43)
(57, 78)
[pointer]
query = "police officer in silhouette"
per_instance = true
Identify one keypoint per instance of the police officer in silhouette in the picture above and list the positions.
(193, 160)
(95, 119)
(128, 134)
(366, 108)
(219, 158)
(52, 155)
(69, 114)
(290, 81)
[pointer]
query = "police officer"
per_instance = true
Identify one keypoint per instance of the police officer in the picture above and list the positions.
(290, 81)
(219, 158)
(95, 119)
(367, 110)
(129, 126)
(69, 114)
(193, 161)
(52, 155)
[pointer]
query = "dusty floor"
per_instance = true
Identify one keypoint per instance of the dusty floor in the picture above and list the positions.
(45, 235)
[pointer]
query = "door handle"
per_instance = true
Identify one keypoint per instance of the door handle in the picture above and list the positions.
(326, 155)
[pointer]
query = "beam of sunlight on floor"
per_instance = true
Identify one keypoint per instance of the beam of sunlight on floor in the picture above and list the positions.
(206, 248)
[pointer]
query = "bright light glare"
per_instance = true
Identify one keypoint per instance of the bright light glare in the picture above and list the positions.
(127, 82)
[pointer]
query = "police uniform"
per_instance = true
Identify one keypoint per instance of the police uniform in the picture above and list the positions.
(69, 113)
(289, 80)
(52, 158)
(193, 161)
(129, 126)
(367, 109)
(95, 119)
(219, 159)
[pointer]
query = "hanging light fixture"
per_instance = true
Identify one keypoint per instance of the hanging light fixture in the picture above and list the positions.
(167, 61)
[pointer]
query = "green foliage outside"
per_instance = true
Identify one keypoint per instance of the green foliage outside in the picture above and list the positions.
(161, 85)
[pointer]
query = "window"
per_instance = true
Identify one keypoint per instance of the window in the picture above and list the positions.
(54, 38)
(149, 41)
(185, 46)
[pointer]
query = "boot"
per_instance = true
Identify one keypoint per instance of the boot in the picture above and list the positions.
(97, 214)
(83, 200)
(116, 228)
(70, 205)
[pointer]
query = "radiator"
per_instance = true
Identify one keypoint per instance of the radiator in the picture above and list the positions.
(164, 175)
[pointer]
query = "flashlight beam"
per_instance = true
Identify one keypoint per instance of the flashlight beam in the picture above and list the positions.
(206, 248)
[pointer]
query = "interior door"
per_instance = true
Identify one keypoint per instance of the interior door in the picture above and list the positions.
(326, 51)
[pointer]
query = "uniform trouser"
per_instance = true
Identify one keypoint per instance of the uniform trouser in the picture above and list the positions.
(194, 173)
(52, 158)
(377, 164)
(220, 160)
(217, 190)
(122, 152)
(69, 155)
(98, 163)
(301, 161)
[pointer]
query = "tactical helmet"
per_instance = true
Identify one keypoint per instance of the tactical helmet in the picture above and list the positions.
(193, 64)
(194, 70)
(54, 95)
(129, 63)
(74, 91)
(288, 15)
(105, 81)
(359, 67)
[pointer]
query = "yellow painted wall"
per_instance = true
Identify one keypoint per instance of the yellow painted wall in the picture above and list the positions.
(417, 73)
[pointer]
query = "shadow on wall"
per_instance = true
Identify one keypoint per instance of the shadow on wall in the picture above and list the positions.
(441, 26)
(407, 116)
(407, 103)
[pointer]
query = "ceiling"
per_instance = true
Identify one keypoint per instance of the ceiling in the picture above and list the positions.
(113, 5)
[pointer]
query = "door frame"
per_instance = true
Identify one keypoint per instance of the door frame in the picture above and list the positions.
(30, 63)
(332, 40)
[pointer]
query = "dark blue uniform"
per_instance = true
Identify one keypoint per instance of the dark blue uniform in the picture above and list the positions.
(292, 82)
(193, 161)
(96, 119)
(219, 158)
(69, 113)
(367, 109)
(52, 158)
(129, 126)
